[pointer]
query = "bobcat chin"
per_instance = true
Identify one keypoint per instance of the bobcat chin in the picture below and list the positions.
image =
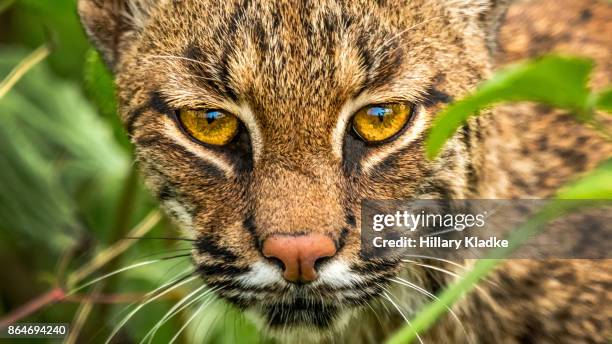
(262, 125)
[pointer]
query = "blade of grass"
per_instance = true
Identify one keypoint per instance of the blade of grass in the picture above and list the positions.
(594, 186)
(554, 80)
(23, 67)
(81, 315)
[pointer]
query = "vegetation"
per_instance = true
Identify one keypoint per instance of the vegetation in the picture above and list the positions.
(553, 80)
(73, 210)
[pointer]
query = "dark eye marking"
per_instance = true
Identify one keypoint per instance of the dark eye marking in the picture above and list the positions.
(157, 141)
(156, 103)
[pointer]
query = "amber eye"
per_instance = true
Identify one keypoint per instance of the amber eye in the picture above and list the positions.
(380, 122)
(214, 127)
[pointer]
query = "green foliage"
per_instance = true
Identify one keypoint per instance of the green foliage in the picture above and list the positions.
(604, 101)
(594, 186)
(100, 88)
(99, 84)
(553, 80)
(32, 22)
(53, 146)
(597, 185)
(5, 4)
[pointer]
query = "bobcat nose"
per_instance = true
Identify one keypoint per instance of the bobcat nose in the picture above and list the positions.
(299, 254)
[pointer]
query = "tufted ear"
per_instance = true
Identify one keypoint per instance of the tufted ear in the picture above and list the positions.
(488, 14)
(109, 23)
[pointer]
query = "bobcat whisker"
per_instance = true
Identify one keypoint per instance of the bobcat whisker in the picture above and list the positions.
(158, 238)
(183, 303)
(202, 337)
(431, 267)
(157, 293)
(179, 306)
(130, 267)
(437, 268)
(388, 297)
(376, 315)
(423, 291)
(204, 304)
(166, 252)
(186, 273)
(383, 287)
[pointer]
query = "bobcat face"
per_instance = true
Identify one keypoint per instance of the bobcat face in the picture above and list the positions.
(276, 210)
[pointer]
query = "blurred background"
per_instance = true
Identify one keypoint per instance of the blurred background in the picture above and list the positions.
(72, 205)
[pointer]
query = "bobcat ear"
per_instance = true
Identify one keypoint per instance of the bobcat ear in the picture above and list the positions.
(109, 23)
(488, 15)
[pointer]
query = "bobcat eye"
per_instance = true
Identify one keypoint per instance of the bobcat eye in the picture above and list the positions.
(214, 127)
(380, 122)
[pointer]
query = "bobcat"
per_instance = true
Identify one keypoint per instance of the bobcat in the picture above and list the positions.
(253, 124)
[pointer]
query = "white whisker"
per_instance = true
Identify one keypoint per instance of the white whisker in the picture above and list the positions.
(422, 290)
(130, 267)
(196, 313)
(179, 306)
(442, 270)
(386, 295)
(131, 314)
(431, 267)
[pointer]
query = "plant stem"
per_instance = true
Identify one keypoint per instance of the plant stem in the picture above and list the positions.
(23, 67)
(53, 295)
(81, 316)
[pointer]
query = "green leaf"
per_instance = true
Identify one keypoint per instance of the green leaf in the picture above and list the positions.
(554, 80)
(597, 185)
(594, 186)
(604, 101)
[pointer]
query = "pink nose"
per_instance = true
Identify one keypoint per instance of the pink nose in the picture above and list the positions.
(299, 254)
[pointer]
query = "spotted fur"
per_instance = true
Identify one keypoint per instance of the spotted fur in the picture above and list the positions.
(294, 72)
